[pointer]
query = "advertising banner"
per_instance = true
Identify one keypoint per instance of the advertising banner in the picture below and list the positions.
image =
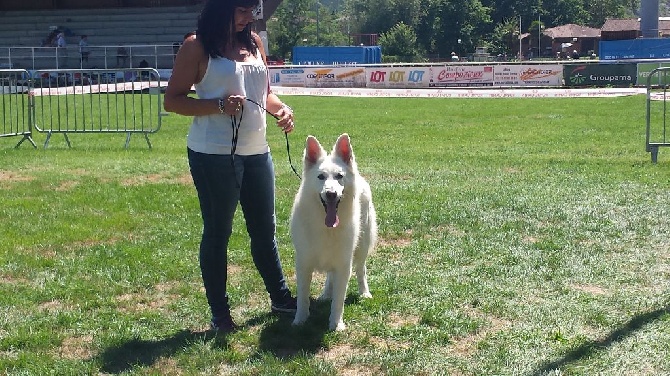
(287, 77)
(335, 77)
(659, 78)
(619, 75)
(461, 75)
(528, 75)
(397, 77)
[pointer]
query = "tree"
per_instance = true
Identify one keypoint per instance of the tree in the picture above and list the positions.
(447, 21)
(505, 37)
(600, 10)
(399, 41)
(325, 27)
(286, 29)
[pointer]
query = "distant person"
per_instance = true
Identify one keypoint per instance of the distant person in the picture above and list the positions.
(454, 57)
(575, 55)
(189, 34)
(121, 57)
(50, 40)
(61, 50)
(144, 64)
(84, 50)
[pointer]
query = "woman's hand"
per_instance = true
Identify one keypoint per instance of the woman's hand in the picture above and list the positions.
(286, 121)
(231, 105)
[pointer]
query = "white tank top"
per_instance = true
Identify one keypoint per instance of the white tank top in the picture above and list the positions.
(213, 134)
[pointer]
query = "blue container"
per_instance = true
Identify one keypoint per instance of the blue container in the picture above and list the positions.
(303, 55)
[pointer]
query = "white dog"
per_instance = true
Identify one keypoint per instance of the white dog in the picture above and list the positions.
(333, 226)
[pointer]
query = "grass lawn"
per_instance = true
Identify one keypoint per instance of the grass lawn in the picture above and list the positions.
(517, 237)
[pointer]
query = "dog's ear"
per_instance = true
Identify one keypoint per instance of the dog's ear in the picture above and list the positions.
(343, 149)
(313, 150)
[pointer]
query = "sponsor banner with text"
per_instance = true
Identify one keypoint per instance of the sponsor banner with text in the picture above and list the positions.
(620, 75)
(397, 77)
(461, 76)
(528, 75)
(658, 78)
(287, 76)
(335, 77)
(461, 93)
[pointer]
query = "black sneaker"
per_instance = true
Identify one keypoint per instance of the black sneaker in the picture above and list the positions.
(290, 305)
(223, 325)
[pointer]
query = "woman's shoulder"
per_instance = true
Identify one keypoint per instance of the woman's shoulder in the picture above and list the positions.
(193, 47)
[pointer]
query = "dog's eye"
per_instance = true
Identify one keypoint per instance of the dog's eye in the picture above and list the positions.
(321, 177)
(339, 176)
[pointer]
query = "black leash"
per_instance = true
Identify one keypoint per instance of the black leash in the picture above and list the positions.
(235, 123)
(288, 147)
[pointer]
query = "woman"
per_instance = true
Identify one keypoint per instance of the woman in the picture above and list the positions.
(228, 152)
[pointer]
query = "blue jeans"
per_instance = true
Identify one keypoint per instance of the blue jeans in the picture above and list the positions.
(220, 187)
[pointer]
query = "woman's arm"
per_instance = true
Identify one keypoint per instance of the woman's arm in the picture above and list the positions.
(273, 103)
(189, 67)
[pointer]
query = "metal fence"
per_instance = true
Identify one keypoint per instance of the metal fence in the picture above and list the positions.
(97, 101)
(15, 114)
(98, 57)
(657, 128)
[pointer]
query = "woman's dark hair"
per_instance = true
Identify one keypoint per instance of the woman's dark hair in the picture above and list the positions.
(216, 26)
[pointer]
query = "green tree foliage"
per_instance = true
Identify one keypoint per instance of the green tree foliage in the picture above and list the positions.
(505, 37)
(400, 42)
(467, 20)
(287, 26)
(297, 23)
(437, 24)
(600, 10)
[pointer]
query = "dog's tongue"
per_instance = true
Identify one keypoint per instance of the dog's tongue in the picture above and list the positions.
(332, 220)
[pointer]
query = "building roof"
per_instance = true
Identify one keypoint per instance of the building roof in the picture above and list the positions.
(632, 24)
(572, 31)
(618, 24)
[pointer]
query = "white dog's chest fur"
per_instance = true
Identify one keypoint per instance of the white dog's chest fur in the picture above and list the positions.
(326, 248)
(333, 226)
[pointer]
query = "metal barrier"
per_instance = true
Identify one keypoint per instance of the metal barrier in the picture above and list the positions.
(15, 113)
(97, 101)
(657, 111)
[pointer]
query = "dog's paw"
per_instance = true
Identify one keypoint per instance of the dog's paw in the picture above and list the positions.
(366, 295)
(298, 322)
(299, 318)
(337, 327)
(324, 297)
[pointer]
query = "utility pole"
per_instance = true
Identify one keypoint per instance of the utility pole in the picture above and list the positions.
(539, 36)
(520, 55)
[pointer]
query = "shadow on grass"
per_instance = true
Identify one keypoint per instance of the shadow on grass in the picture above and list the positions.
(277, 337)
(618, 335)
(284, 340)
(138, 352)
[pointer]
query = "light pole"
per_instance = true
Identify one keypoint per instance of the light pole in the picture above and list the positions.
(317, 22)
(539, 37)
(520, 39)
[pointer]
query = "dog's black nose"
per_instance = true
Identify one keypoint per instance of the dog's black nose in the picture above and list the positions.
(331, 195)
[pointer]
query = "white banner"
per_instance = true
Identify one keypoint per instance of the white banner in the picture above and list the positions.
(461, 93)
(528, 75)
(287, 76)
(397, 77)
(461, 76)
(335, 77)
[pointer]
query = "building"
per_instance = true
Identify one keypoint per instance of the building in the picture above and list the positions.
(567, 38)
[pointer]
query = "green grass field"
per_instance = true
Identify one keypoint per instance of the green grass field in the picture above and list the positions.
(517, 237)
